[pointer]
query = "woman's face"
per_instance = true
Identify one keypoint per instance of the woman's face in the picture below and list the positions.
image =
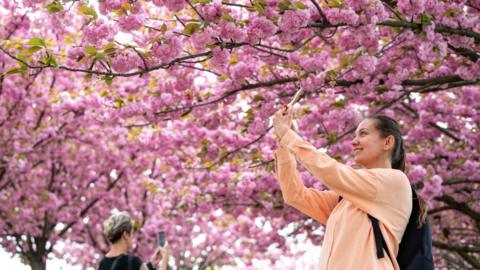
(368, 146)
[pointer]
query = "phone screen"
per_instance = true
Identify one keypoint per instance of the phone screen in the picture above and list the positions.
(161, 238)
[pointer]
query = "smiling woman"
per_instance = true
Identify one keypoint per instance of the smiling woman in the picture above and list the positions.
(373, 137)
(377, 198)
(376, 133)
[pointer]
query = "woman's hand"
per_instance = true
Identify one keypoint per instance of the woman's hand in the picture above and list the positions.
(160, 256)
(282, 121)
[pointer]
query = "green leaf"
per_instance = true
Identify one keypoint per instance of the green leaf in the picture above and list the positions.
(227, 17)
(284, 5)
(451, 12)
(250, 116)
(13, 71)
(86, 10)
(204, 145)
(336, 3)
(381, 89)
(339, 104)
(331, 75)
(425, 19)
(191, 28)
(36, 42)
(54, 7)
(22, 64)
(99, 56)
(259, 8)
(331, 138)
(52, 62)
(108, 80)
(110, 48)
(257, 98)
(30, 50)
(164, 28)
(300, 5)
(91, 50)
(119, 103)
(203, 2)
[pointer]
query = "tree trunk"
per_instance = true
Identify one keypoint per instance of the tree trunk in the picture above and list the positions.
(37, 263)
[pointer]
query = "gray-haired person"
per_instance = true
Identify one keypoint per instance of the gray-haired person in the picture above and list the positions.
(118, 230)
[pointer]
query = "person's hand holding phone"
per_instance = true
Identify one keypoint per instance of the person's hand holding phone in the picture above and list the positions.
(160, 256)
(282, 121)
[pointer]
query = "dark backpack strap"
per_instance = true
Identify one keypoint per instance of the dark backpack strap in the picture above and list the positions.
(129, 264)
(379, 240)
(115, 263)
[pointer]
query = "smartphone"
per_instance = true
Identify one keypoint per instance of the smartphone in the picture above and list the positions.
(295, 98)
(161, 238)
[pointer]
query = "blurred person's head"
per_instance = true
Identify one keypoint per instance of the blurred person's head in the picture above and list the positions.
(118, 229)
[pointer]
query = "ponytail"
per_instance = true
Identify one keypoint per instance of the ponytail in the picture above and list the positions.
(422, 214)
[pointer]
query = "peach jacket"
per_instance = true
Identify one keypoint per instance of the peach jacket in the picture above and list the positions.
(348, 241)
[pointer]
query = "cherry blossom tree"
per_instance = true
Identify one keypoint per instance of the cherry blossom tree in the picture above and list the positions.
(161, 108)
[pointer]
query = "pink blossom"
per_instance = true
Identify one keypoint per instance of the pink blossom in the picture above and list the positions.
(364, 65)
(470, 96)
(292, 20)
(258, 126)
(260, 27)
(212, 12)
(99, 33)
(314, 63)
(201, 39)
(126, 61)
(471, 72)
(172, 5)
(411, 7)
(220, 59)
(338, 16)
(130, 22)
(75, 53)
(110, 5)
(432, 188)
(233, 32)
(417, 174)
(166, 98)
(166, 51)
(241, 71)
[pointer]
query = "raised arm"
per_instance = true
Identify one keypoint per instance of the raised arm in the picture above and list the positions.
(312, 202)
(356, 185)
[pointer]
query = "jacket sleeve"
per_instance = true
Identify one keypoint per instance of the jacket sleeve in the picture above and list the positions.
(312, 202)
(359, 186)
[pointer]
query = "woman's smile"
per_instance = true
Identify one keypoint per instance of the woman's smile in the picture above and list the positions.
(357, 150)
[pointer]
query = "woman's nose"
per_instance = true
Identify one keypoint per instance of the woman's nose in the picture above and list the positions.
(354, 142)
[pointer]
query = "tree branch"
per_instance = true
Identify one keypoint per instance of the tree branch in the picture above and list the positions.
(448, 246)
(461, 207)
(472, 260)
(230, 93)
(92, 203)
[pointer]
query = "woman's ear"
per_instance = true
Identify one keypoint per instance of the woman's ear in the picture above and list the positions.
(389, 142)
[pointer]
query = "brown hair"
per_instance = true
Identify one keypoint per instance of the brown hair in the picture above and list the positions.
(388, 126)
